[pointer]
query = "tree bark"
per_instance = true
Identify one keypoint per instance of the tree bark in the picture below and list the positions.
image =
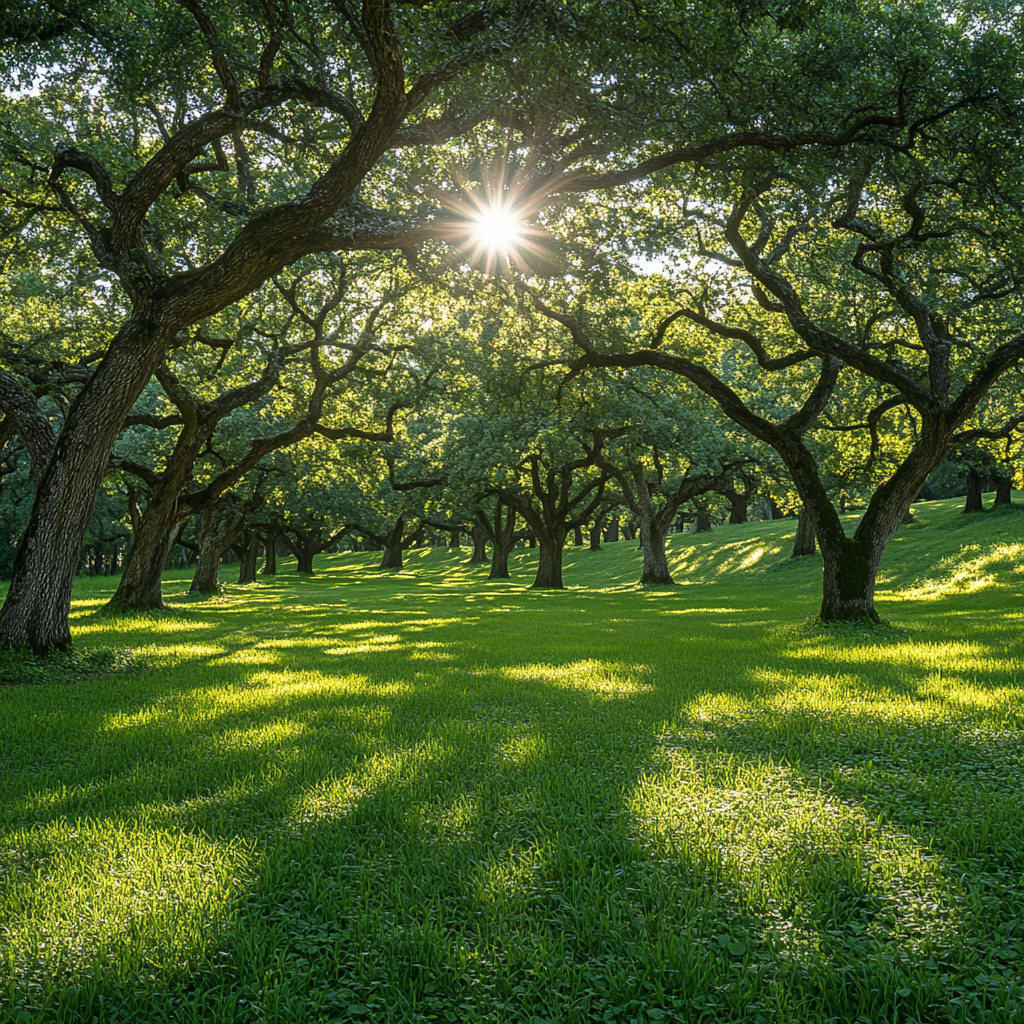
(652, 538)
(612, 533)
(973, 502)
(220, 526)
(738, 507)
(270, 557)
(153, 537)
(392, 557)
(455, 540)
(703, 520)
(247, 563)
(803, 542)
(595, 534)
(577, 537)
(549, 564)
(479, 547)
(848, 581)
(1004, 488)
(38, 604)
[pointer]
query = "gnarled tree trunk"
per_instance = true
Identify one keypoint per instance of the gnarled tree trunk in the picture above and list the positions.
(392, 556)
(220, 526)
(38, 604)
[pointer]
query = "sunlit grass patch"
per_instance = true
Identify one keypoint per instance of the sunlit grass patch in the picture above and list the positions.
(120, 902)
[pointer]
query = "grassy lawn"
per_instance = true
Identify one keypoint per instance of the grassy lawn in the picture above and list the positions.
(425, 796)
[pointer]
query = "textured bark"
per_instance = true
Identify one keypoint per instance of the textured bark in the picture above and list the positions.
(152, 539)
(1004, 489)
(973, 502)
(549, 563)
(499, 529)
(36, 610)
(393, 546)
(221, 524)
(652, 539)
(803, 542)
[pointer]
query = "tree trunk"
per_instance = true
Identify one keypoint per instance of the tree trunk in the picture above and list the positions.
(499, 560)
(595, 534)
(738, 504)
(803, 543)
(455, 539)
(220, 526)
(392, 557)
(973, 502)
(652, 538)
(531, 539)
(549, 564)
(612, 533)
(849, 570)
(304, 555)
(36, 610)
(247, 563)
(153, 537)
(1004, 487)
(702, 523)
(479, 547)
(270, 556)
(577, 537)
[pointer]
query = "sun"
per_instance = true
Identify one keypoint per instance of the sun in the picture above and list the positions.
(497, 228)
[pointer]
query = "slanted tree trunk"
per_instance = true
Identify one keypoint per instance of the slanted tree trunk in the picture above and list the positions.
(153, 537)
(803, 543)
(248, 559)
(595, 534)
(392, 557)
(549, 564)
(1004, 488)
(38, 603)
(479, 547)
(270, 555)
(973, 502)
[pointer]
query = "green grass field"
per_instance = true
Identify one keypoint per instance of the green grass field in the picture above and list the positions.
(425, 796)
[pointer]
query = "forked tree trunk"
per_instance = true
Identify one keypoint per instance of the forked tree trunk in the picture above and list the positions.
(973, 502)
(479, 547)
(502, 531)
(220, 527)
(304, 555)
(36, 610)
(247, 563)
(1004, 488)
(803, 542)
(549, 564)
(154, 535)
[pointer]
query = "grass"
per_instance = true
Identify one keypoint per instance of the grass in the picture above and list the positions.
(425, 796)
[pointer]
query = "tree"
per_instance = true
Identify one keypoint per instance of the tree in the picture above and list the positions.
(244, 142)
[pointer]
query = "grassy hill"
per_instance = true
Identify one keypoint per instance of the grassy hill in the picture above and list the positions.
(426, 796)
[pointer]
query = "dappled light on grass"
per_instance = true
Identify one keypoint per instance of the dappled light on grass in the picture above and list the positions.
(458, 799)
(970, 570)
(120, 902)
